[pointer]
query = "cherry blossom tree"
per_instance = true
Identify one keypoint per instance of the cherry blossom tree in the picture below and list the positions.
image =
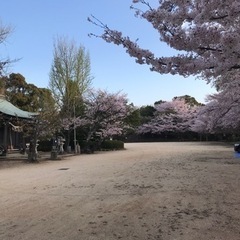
(221, 113)
(173, 116)
(204, 33)
(104, 115)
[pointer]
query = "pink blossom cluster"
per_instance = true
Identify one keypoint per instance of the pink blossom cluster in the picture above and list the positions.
(205, 35)
(104, 114)
(221, 113)
(171, 116)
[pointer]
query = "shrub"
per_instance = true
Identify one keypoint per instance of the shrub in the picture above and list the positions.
(45, 146)
(112, 145)
(89, 146)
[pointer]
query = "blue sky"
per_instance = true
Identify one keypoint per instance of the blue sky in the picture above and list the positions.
(37, 22)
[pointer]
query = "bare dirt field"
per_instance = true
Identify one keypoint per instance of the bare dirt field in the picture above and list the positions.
(187, 191)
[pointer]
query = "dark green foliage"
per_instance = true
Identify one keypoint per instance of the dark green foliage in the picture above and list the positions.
(133, 119)
(45, 146)
(146, 113)
(112, 145)
(27, 96)
(159, 102)
(189, 100)
(89, 146)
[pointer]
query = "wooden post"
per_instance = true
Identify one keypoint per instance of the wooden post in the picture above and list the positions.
(5, 136)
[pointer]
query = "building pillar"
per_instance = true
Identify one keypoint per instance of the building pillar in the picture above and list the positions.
(5, 136)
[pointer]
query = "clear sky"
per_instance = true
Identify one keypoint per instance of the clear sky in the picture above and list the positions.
(37, 22)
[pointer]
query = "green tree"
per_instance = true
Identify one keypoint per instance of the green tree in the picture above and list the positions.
(30, 98)
(146, 113)
(189, 100)
(70, 77)
(132, 121)
(27, 96)
(134, 118)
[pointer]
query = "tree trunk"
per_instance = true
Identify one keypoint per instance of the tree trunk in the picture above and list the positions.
(33, 155)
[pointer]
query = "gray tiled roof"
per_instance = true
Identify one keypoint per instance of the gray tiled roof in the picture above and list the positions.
(9, 109)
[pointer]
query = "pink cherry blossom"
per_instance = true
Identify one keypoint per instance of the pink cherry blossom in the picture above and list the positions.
(205, 35)
(171, 116)
(221, 113)
(104, 114)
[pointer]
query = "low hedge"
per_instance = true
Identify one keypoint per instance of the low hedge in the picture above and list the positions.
(45, 146)
(89, 146)
(112, 145)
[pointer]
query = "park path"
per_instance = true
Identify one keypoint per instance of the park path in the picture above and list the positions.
(148, 191)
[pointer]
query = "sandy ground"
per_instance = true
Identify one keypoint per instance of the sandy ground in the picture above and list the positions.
(148, 191)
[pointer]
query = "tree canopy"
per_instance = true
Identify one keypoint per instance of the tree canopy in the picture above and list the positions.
(176, 116)
(104, 115)
(27, 96)
(204, 33)
(70, 74)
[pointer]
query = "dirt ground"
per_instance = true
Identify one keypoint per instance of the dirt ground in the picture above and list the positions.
(148, 191)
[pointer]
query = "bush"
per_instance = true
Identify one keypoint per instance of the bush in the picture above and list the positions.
(45, 146)
(89, 147)
(112, 145)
